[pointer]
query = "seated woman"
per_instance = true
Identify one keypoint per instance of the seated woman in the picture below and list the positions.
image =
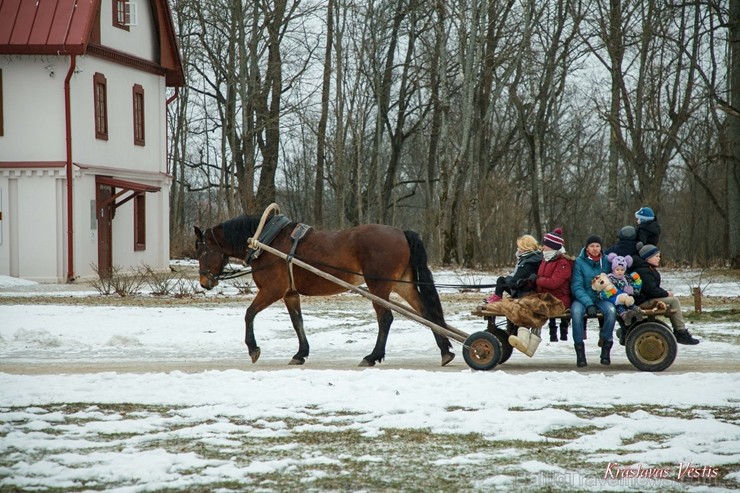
(522, 279)
(646, 265)
(553, 276)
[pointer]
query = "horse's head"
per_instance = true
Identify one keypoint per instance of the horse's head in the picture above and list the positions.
(211, 258)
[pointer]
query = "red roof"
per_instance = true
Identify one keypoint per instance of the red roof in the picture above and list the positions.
(64, 27)
(46, 27)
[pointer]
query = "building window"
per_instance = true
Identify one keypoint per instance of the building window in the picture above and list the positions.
(140, 222)
(138, 115)
(120, 14)
(101, 106)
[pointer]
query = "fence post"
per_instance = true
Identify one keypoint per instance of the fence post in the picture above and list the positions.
(697, 300)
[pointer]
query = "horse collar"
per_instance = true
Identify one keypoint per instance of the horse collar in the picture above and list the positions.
(272, 228)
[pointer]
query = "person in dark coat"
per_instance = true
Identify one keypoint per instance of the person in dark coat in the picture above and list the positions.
(626, 244)
(648, 227)
(522, 280)
(586, 302)
(645, 263)
(553, 276)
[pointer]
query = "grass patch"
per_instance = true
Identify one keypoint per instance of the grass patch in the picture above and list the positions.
(295, 454)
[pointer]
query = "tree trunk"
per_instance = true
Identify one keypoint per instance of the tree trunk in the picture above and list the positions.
(733, 168)
(318, 197)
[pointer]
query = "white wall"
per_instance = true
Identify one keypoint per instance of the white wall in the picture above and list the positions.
(33, 132)
(31, 226)
(119, 150)
(139, 40)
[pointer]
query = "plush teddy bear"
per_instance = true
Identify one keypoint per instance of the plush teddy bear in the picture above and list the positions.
(606, 289)
(623, 302)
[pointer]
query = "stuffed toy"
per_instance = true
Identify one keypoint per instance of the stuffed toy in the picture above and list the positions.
(623, 302)
(606, 289)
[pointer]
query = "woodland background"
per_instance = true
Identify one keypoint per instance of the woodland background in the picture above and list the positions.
(469, 121)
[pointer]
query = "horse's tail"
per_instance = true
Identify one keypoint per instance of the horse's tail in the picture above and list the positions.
(423, 280)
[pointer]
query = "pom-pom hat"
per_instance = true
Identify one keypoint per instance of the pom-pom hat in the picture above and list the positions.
(645, 214)
(554, 239)
(647, 251)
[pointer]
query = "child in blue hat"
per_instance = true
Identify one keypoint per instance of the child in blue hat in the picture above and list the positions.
(648, 227)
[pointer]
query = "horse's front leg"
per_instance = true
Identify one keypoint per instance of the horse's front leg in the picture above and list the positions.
(385, 319)
(293, 304)
(260, 302)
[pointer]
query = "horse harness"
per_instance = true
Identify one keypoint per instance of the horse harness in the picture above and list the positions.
(272, 228)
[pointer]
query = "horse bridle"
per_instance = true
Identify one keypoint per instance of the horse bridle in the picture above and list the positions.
(206, 251)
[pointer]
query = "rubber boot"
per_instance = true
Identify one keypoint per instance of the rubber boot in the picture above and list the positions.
(521, 339)
(553, 332)
(605, 349)
(563, 332)
(534, 342)
(580, 354)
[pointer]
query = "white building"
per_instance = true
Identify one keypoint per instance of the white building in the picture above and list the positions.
(84, 180)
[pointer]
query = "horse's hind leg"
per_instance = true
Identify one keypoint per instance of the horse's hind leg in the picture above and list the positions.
(385, 319)
(408, 292)
(293, 304)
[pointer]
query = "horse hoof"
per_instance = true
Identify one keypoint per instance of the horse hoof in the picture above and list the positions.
(446, 358)
(297, 361)
(365, 362)
(255, 355)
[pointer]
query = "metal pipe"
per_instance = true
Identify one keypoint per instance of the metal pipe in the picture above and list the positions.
(70, 201)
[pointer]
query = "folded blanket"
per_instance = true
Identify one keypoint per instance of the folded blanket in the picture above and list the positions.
(533, 311)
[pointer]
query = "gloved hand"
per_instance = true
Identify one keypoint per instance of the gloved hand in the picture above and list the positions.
(527, 282)
(591, 311)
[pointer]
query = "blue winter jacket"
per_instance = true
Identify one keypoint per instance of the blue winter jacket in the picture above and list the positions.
(584, 270)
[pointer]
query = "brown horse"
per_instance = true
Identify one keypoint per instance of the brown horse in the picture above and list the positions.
(386, 259)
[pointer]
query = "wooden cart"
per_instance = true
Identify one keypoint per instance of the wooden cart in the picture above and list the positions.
(649, 343)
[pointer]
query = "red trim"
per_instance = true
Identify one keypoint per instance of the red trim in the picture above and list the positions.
(128, 185)
(125, 59)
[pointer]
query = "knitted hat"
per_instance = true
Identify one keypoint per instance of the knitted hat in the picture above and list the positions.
(647, 251)
(619, 261)
(594, 239)
(645, 214)
(628, 233)
(554, 239)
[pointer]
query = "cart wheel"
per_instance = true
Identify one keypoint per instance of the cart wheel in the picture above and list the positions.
(482, 350)
(651, 346)
(506, 348)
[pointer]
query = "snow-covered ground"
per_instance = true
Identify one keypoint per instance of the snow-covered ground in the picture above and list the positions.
(243, 426)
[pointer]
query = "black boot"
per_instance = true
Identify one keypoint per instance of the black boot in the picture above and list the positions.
(605, 349)
(563, 332)
(553, 332)
(683, 337)
(580, 354)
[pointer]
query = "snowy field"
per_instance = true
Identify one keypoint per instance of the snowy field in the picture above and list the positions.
(150, 398)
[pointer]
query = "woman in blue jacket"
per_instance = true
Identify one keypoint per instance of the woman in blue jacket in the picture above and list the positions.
(585, 301)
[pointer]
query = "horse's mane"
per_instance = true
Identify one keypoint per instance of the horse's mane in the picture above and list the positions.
(239, 229)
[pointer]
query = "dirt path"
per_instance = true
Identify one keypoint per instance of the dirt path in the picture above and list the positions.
(515, 365)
